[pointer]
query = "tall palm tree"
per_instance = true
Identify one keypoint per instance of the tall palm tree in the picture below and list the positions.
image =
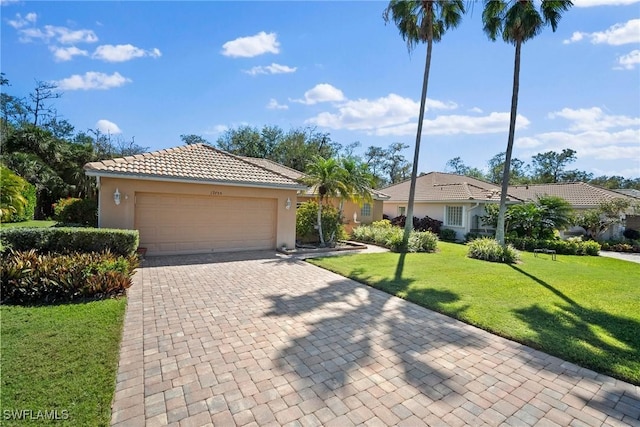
(328, 178)
(422, 21)
(517, 21)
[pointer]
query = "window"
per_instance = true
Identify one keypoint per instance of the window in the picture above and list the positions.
(402, 210)
(453, 216)
(365, 210)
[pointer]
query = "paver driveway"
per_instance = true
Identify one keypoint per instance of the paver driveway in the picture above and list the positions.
(263, 339)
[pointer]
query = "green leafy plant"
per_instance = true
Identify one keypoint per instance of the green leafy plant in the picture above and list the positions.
(489, 249)
(306, 223)
(75, 211)
(448, 235)
(571, 246)
(17, 197)
(384, 234)
(30, 277)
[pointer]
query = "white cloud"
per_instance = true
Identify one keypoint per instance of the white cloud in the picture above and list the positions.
(457, 124)
(271, 69)
(322, 92)
(62, 35)
(475, 110)
(592, 3)
(122, 52)
(593, 119)
(105, 126)
(274, 105)
(593, 144)
(66, 53)
(8, 2)
(527, 142)
(92, 80)
(216, 130)
(630, 60)
(20, 22)
(248, 47)
(618, 34)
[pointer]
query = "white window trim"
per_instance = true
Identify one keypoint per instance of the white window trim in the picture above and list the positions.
(463, 216)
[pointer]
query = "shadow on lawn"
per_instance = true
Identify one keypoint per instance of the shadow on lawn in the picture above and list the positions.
(570, 328)
(364, 339)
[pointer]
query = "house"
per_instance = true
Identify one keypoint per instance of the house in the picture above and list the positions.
(196, 199)
(354, 213)
(458, 201)
(581, 196)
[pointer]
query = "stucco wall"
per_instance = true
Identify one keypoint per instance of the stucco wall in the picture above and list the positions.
(123, 215)
(350, 208)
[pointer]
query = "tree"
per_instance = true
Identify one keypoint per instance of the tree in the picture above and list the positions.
(549, 167)
(12, 200)
(357, 180)
(517, 21)
(422, 21)
(193, 139)
(43, 92)
(328, 178)
(396, 165)
(517, 173)
(597, 221)
(457, 166)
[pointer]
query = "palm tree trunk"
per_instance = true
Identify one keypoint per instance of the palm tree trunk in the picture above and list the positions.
(408, 226)
(320, 223)
(500, 228)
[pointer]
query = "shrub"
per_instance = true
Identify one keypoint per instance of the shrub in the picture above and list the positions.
(571, 246)
(17, 197)
(423, 241)
(620, 247)
(631, 234)
(29, 277)
(307, 219)
(76, 211)
(419, 224)
(489, 249)
(391, 237)
(448, 235)
(66, 240)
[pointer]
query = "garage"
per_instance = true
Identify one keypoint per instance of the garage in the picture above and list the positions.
(196, 199)
(175, 224)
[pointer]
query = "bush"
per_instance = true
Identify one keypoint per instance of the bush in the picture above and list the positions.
(571, 246)
(17, 197)
(307, 219)
(83, 212)
(620, 247)
(66, 240)
(448, 235)
(391, 237)
(419, 224)
(631, 234)
(489, 249)
(29, 277)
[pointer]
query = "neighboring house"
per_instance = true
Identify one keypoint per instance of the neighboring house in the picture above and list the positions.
(196, 199)
(458, 201)
(581, 196)
(353, 213)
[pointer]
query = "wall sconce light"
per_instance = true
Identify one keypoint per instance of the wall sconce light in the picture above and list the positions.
(287, 204)
(116, 197)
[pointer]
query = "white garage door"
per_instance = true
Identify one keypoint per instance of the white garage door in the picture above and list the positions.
(174, 223)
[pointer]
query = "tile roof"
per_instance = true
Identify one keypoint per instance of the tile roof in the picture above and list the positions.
(439, 186)
(579, 194)
(195, 162)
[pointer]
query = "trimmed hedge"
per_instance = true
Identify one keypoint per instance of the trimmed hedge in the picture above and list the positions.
(30, 277)
(83, 212)
(384, 234)
(570, 246)
(65, 240)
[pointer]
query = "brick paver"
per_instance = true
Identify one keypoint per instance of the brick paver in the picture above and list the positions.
(264, 339)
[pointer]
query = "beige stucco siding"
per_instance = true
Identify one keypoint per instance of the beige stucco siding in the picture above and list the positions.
(196, 194)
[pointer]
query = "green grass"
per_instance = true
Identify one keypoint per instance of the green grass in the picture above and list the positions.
(582, 309)
(61, 358)
(32, 223)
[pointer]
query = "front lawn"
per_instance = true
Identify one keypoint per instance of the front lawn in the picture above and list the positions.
(580, 308)
(32, 223)
(60, 361)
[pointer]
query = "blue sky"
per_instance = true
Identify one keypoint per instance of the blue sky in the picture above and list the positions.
(156, 70)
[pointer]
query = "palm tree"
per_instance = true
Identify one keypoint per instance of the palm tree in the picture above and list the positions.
(517, 21)
(328, 178)
(422, 21)
(358, 182)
